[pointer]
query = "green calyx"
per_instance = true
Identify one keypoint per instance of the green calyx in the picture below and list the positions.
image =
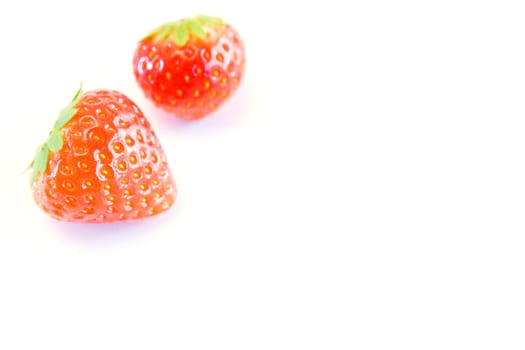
(181, 30)
(54, 142)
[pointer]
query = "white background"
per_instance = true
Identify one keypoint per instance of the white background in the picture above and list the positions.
(363, 189)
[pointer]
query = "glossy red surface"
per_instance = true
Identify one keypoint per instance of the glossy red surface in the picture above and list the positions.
(193, 80)
(110, 168)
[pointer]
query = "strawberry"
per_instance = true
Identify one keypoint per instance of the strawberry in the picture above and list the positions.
(102, 163)
(191, 66)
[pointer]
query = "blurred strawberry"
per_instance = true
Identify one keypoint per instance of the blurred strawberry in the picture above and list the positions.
(191, 66)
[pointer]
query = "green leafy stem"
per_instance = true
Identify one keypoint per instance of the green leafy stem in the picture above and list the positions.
(55, 141)
(180, 30)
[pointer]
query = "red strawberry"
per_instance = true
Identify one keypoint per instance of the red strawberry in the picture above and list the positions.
(102, 163)
(191, 66)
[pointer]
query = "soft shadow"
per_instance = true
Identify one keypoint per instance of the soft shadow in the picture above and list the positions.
(118, 232)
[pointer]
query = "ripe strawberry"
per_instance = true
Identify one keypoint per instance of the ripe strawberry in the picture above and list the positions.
(102, 163)
(191, 66)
